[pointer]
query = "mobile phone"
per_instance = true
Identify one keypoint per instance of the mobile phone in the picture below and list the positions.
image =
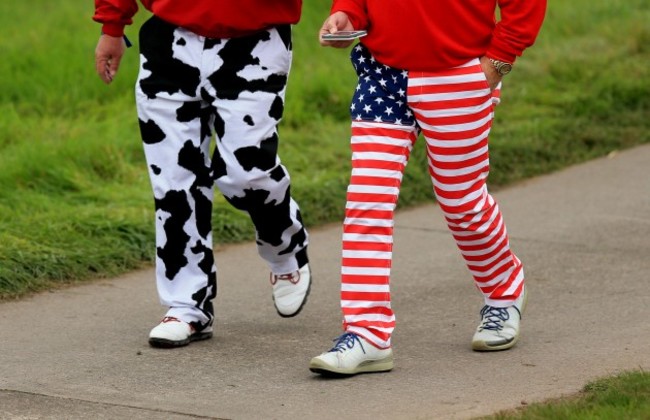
(344, 35)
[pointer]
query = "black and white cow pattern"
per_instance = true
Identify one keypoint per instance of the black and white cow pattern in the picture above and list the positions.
(188, 88)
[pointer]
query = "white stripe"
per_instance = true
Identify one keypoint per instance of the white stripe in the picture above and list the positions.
(364, 303)
(489, 261)
(484, 251)
(460, 157)
(501, 278)
(362, 205)
(373, 288)
(370, 318)
(491, 271)
(485, 239)
(380, 255)
(487, 205)
(372, 189)
(454, 112)
(456, 202)
(364, 124)
(472, 141)
(455, 128)
(380, 173)
(450, 96)
(516, 282)
(392, 141)
(365, 271)
(386, 157)
(455, 187)
(360, 221)
(446, 80)
(461, 171)
(357, 237)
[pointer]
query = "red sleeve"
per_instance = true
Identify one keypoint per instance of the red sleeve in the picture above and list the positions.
(517, 29)
(355, 9)
(114, 15)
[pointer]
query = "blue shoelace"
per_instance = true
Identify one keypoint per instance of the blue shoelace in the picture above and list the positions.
(346, 341)
(493, 318)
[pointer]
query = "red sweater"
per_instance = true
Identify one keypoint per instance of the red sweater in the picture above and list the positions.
(428, 35)
(209, 18)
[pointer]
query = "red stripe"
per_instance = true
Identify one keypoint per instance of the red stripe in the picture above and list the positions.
(456, 150)
(372, 198)
(363, 279)
(367, 246)
(370, 310)
(378, 164)
(381, 148)
(396, 133)
(469, 86)
(366, 262)
(374, 180)
(483, 158)
(372, 296)
(369, 214)
(457, 135)
(367, 230)
(456, 119)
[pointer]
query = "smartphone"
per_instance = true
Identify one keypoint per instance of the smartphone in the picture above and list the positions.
(344, 35)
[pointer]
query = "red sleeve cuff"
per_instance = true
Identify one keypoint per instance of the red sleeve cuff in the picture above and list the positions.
(112, 29)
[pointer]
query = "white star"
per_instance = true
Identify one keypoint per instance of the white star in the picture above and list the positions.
(361, 59)
(358, 87)
(398, 121)
(372, 59)
(352, 107)
(357, 48)
(379, 100)
(372, 89)
(391, 97)
(377, 118)
(367, 108)
(358, 117)
(405, 74)
(378, 70)
(408, 113)
(400, 103)
(394, 79)
(367, 78)
(388, 110)
(401, 92)
(383, 82)
(361, 97)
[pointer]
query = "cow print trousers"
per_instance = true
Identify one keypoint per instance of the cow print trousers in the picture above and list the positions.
(191, 89)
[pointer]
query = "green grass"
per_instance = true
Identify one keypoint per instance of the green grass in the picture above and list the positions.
(625, 396)
(75, 201)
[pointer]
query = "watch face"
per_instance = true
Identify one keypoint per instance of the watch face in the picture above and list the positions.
(504, 68)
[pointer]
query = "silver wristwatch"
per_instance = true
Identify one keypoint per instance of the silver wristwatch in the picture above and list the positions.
(501, 67)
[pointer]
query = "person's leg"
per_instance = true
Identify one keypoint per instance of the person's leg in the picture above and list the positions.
(246, 87)
(176, 138)
(380, 153)
(454, 109)
(383, 134)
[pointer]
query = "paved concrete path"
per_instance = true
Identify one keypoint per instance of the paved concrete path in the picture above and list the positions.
(583, 233)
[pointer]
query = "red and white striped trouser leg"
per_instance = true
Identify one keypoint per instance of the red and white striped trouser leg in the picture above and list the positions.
(454, 110)
(380, 153)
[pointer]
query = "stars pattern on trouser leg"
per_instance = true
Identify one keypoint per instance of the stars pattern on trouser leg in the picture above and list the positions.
(380, 95)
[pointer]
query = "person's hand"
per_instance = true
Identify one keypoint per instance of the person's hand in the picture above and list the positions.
(491, 74)
(338, 21)
(108, 54)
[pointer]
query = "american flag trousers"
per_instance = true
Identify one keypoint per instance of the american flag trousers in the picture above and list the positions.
(453, 110)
